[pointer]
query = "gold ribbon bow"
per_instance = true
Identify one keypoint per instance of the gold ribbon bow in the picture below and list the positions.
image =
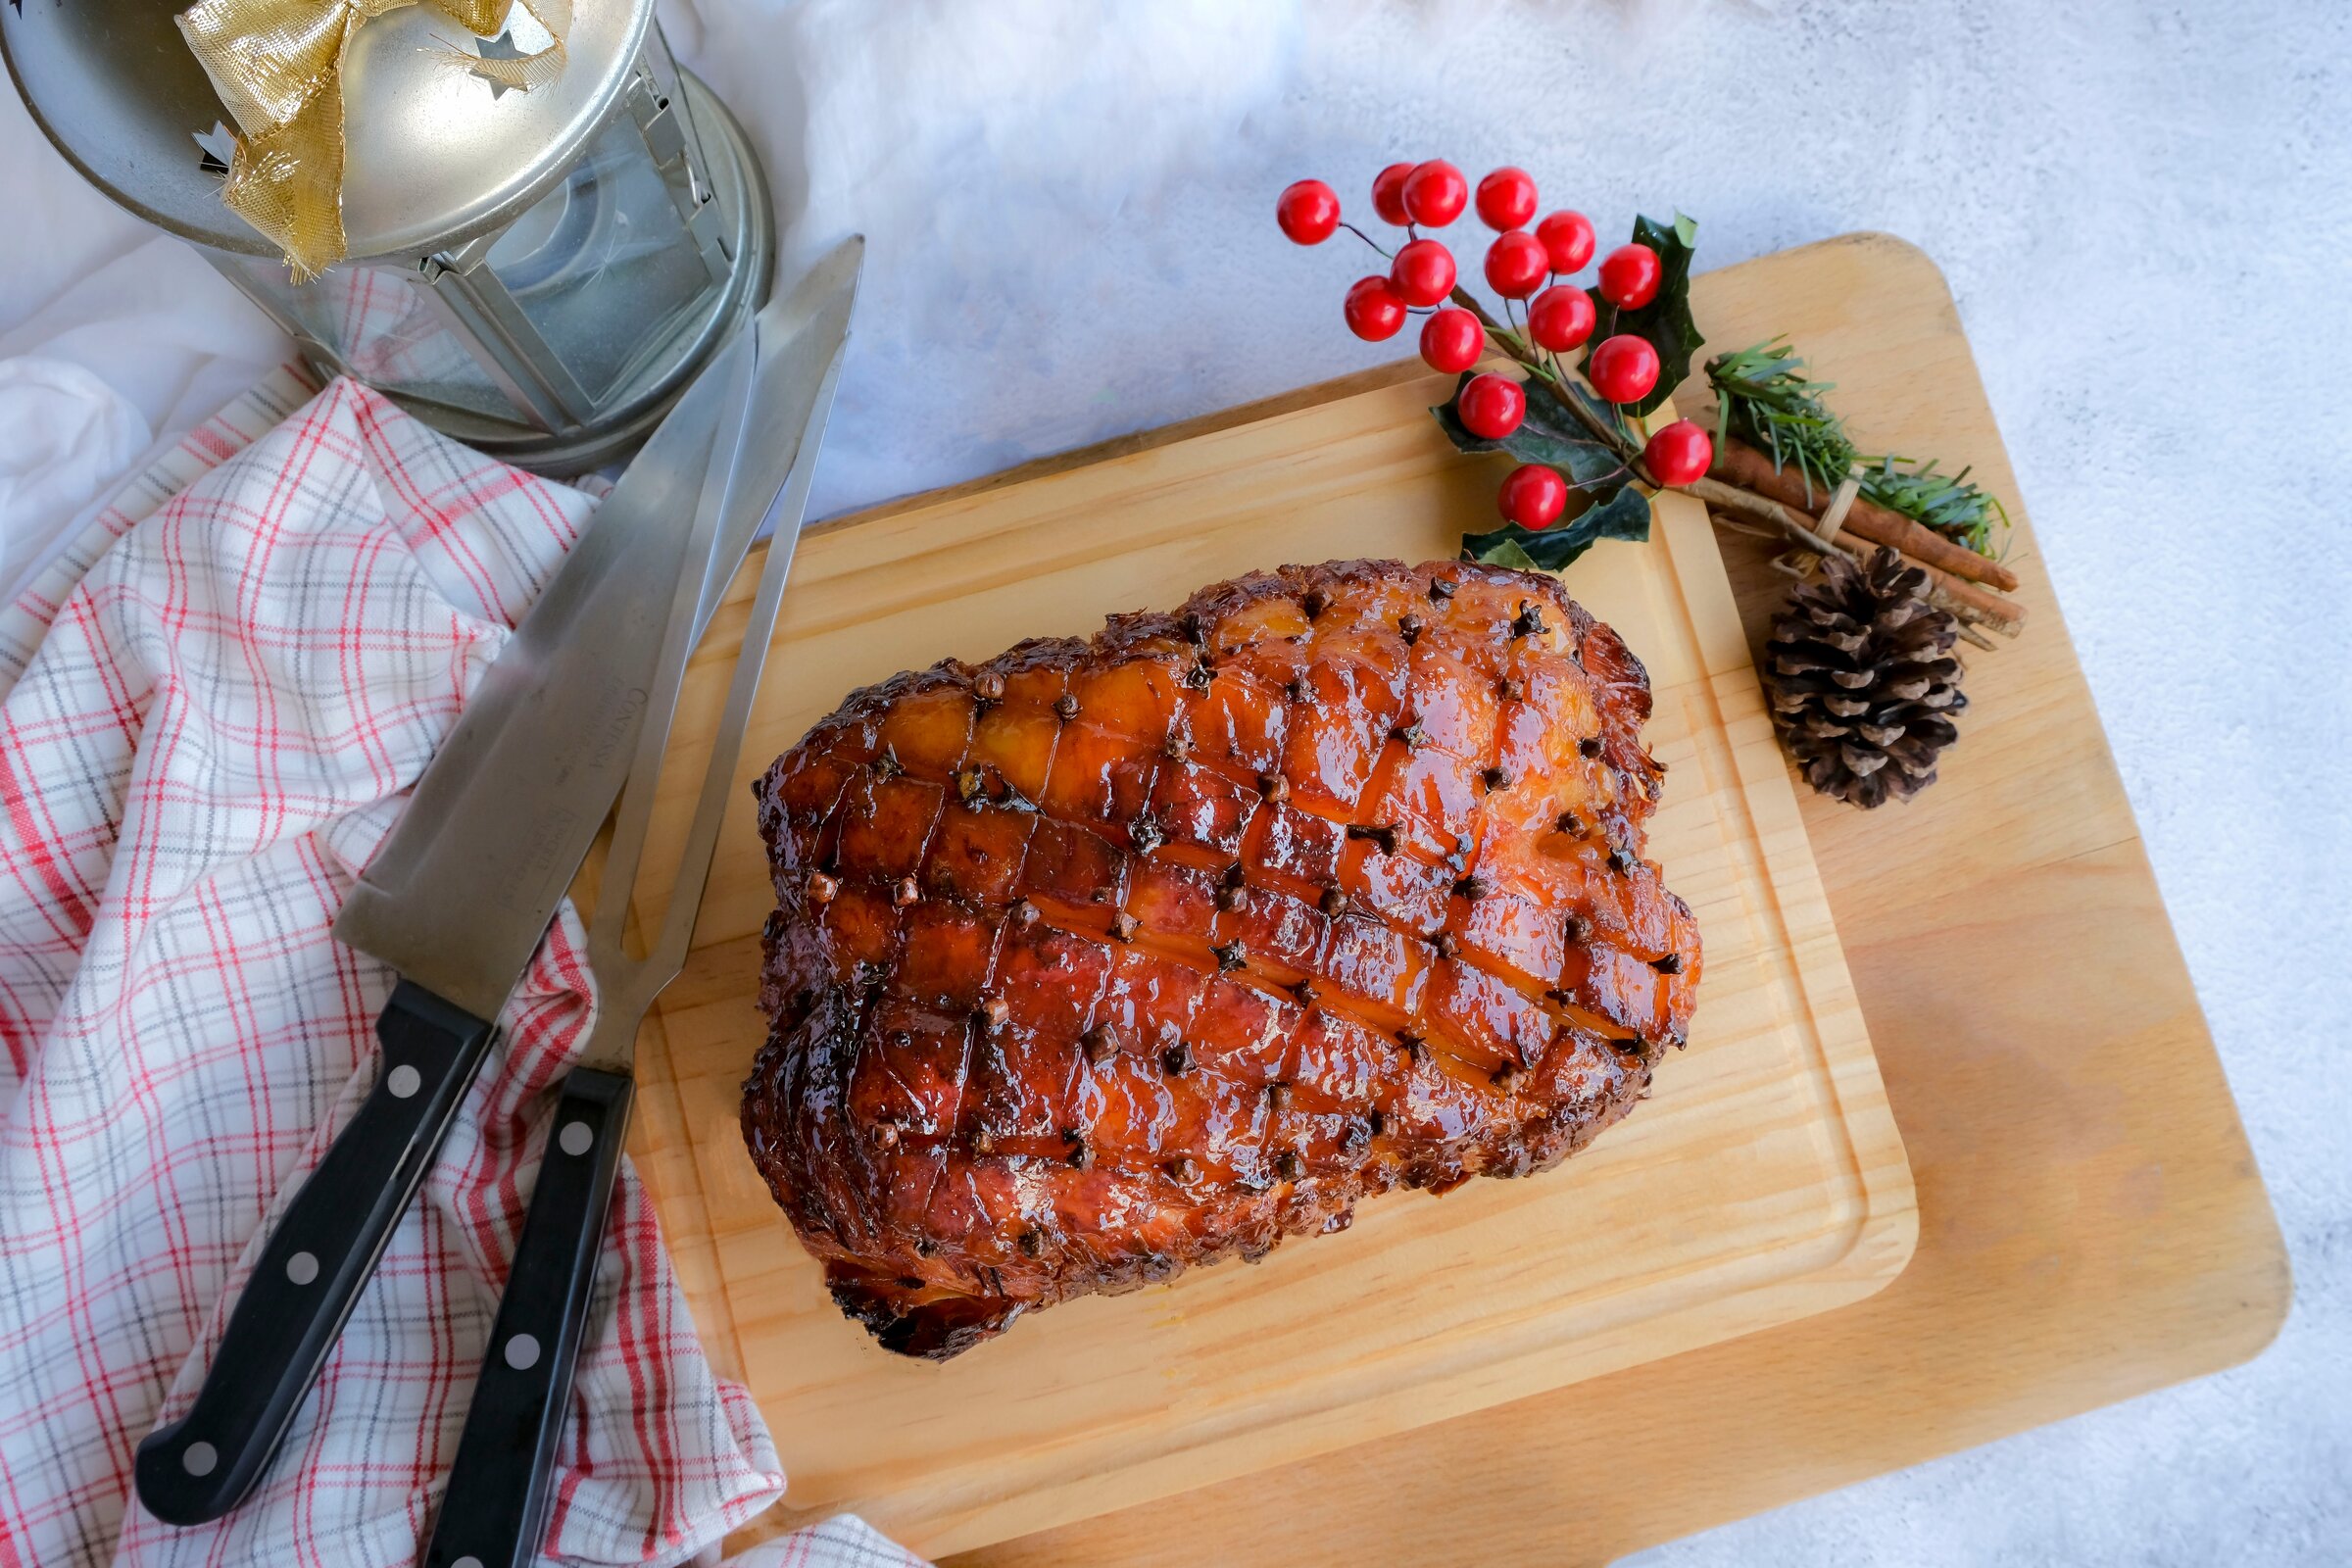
(278, 65)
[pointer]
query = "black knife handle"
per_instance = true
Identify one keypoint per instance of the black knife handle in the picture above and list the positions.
(496, 1505)
(316, 1264)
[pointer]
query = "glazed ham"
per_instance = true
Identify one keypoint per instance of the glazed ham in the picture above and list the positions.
(1106, 958)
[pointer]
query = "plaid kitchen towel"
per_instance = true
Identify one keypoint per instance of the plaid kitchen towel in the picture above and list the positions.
(210, 710)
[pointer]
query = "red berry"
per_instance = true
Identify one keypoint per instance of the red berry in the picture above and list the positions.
(1624, 369)
(1387, 194)
(1373, 309)
(1452, 340)
(1629, 276)
(1533, 495)
(1307, 211)
(1515, 264)
(1679, 453)
(1435, 193)
(1491, 407)
(1568, 238)
(1560, 318)
(1423, 271)
(1506, 198)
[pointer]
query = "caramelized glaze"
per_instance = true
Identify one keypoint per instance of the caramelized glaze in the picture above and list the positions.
(1108, 958)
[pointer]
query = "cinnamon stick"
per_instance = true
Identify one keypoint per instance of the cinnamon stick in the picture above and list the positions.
(1958, 595)
(1737, 462)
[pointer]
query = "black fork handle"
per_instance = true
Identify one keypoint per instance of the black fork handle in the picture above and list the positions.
(496, 1506)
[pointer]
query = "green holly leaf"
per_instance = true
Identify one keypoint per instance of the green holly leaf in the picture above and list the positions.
(1499, 549)
(1621, 512)
(1602, 409)
(1550, 434)
(1665, 321)
(1553, 435)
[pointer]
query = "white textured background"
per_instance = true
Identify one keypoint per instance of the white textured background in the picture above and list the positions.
(2145, 212)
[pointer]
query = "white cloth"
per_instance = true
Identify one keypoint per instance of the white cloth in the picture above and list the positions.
(96, 387)
(63, 434)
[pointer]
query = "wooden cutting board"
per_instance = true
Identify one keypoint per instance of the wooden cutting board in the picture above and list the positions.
(2092, 1225)
(1765, 1180)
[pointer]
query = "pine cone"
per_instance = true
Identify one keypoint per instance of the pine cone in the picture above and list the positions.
(1862, 681)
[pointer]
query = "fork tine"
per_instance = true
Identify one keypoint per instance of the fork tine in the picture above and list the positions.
(669, 954)
(607, 932)
(630, 984)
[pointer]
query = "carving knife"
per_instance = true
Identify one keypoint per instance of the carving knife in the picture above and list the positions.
(457, 901)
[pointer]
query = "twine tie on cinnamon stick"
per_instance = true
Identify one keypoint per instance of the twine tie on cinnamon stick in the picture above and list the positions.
(1842, 501)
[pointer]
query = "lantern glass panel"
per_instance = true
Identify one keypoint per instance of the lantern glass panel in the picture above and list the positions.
(379, 325)
(604, 265)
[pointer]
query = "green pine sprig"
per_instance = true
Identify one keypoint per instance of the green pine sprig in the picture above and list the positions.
(1949, 503)
(1763, 397)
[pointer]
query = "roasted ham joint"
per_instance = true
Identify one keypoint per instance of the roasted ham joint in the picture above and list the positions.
(1108, 957)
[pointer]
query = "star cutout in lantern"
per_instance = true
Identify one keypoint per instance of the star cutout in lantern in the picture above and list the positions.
(218, 146)
(501, 47)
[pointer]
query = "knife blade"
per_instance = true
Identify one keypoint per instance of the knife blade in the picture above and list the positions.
(460, 893)
(494, 1510)
(457, 901)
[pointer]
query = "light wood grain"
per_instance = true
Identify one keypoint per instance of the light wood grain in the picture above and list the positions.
(2092, 1222)
(1764, 1181)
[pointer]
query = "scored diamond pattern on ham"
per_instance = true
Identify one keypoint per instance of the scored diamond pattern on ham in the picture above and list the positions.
(1108, 957)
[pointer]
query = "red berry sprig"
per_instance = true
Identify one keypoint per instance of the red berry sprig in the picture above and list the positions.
(1679, 453)
(1491, 407)
(1560, 318)
(1567, 238)
(1516, 264)
(1435, 193)
(1373, 309)
(1506, 199)
(1307, 211)
(1451, 340)
(1423, 271)
(1532, 271)
(1624, 369)
(1629, 277)
(1531, 496)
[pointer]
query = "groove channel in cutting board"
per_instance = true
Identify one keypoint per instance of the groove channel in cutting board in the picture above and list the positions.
(1764, 1181)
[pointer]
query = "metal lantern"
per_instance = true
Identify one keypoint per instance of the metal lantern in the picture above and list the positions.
(537, 273)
